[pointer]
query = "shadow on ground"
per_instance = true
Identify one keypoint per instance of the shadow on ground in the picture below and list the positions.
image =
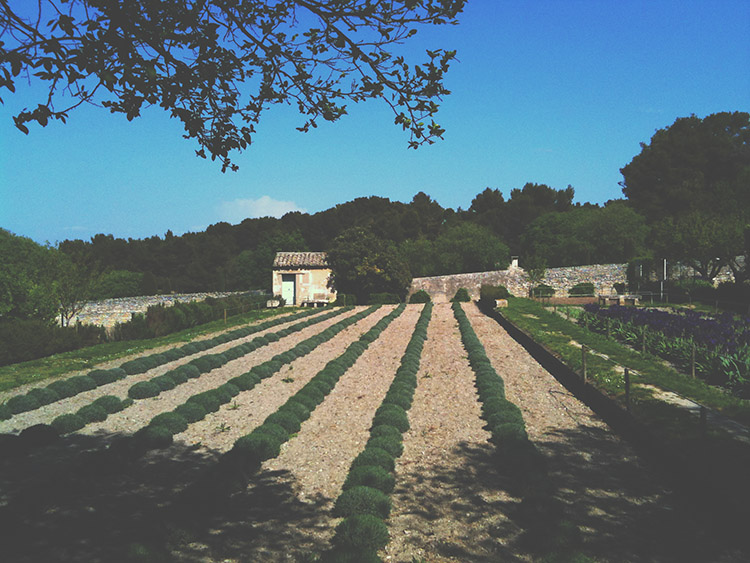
(622, 508)
(604, 504)
(457, 510)
(76, 501)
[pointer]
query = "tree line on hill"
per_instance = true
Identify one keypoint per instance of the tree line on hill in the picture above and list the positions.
(687, 199)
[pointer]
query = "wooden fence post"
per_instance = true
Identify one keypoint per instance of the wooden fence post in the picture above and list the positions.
(583, 360)
(627, 389)
(692, 359)
(225, 316)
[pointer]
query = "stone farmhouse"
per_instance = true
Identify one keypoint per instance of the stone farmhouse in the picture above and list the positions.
(301, 278)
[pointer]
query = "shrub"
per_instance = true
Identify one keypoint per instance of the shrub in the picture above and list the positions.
(189, 349)
(287, 420)
(392, 445)
(370, 476)
(420, 296)
(218, 359)
(362, 500)
(362, 532)
(172, 420)
(384, 299)
(311, 395)
(344, 300)
(172, 354)
(245, 382)
(154, 437)
(488, 294)
(134, 366)
(542, 290)
(392, 417)
(164, 382)
(584, 288)
(63, 388)
(274, 430)
(223, 394)
(92, 413)
(22, 403)
(297, 408)
(5, 412)
(231, 389)
(375, 456)
(258, 446)
(190, 371)
(402, 399)
(144, 390)
(385, 431)
(67, 423)
(204, 364)
(263, 371)
(208, 400)
(82, 383)
(306, 400)
(508, 435)
(493, 292)
(103, 376)
(38, 435)
(462, 296)
(110, 403)
(191, 412)
(504, 417)
(118, 373)
(179, 377)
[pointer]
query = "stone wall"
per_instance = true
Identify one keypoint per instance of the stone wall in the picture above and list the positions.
(443, 288)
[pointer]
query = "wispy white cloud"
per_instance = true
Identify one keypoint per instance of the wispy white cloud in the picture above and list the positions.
(265, 206)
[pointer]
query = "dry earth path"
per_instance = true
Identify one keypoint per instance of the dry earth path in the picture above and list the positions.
(449, 503)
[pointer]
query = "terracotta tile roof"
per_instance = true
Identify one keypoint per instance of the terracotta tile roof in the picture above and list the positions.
(300, 260)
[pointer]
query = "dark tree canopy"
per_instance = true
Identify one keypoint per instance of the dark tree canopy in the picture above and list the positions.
(694, 165)
(216, 65)
(692, 182)
(363, 264)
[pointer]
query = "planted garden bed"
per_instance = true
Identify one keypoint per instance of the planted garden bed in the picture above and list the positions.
(460, 491)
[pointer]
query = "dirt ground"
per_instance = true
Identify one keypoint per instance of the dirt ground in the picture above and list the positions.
(452, 503)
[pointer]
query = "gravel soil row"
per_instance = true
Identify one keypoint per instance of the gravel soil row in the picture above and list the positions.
(250, 408)
(137, 416)
(449, 503)
(311, 469)
(5, 395)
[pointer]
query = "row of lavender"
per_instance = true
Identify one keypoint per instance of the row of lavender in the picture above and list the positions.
(720, 345)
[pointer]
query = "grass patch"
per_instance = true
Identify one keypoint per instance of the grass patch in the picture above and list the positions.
(556, 333)
(33, 371)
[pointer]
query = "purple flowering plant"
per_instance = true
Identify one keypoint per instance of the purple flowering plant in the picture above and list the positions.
(722, 343)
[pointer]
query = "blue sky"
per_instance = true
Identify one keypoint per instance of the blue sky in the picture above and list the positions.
(552, 92)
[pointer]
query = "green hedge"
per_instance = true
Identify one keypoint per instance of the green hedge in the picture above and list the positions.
(517, 454)
(420, 296)
(461, 296)
(364, 502)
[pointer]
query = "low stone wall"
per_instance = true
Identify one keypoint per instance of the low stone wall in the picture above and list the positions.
(443, 288)
(108, 312)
